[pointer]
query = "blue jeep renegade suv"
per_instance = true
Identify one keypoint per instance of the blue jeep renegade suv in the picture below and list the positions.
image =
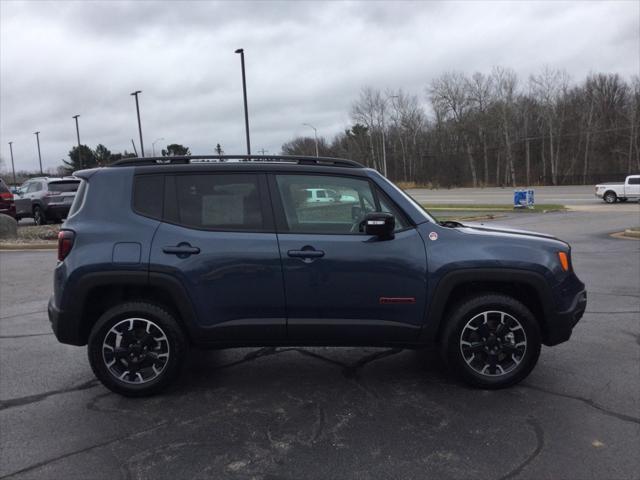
(162, 254)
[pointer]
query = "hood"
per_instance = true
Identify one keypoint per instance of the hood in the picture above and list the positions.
(478, 228)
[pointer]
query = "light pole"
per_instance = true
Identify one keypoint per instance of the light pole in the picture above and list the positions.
(135, 94)
(13, 168)
(244, 93)
(78, 135)
(153, 145)
(37, 134)
(384, 146)
(315, 133)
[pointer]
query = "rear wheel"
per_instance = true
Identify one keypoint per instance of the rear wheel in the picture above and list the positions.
(610, 197)
(491, 341)
(136, 349)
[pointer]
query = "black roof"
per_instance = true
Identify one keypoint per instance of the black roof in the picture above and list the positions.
(237, 159)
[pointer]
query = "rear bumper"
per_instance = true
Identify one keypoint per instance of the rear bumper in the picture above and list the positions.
(11, 211)
(65, 326)
(560, 326)
(57, 210)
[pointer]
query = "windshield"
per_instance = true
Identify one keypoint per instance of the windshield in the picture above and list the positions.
(70, 186)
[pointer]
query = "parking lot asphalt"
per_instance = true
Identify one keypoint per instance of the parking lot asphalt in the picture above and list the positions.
(335, 413)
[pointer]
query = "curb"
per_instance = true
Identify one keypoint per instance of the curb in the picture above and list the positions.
(28, 246)
(625, 236)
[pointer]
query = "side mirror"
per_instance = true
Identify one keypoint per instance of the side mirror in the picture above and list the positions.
(380, 224)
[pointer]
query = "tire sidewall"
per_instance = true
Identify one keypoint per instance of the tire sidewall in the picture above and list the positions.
(609, 195)
(161, 317)
(38, 216)
(470, 308)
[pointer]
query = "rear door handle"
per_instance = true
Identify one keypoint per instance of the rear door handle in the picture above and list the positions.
(182, 250)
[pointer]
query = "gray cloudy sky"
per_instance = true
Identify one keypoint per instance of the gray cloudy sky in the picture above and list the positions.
(306, 62)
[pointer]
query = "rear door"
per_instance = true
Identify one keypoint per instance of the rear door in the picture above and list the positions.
(217, 237)
(342, 285)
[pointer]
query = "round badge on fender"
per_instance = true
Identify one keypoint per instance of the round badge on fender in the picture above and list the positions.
(433, 236)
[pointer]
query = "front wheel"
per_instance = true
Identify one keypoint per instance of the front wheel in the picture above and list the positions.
(491, 341)
(136, 349)
(610, 197)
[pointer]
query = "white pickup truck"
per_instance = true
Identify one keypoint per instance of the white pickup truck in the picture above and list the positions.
(613, 192)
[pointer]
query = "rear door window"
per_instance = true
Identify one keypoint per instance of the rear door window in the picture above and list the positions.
(33, 187)
(216, 201)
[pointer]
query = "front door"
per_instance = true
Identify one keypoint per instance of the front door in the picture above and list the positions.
(217, 238)
(342, 285)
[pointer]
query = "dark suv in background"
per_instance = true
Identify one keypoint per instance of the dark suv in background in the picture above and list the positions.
(158, 255)
(46, 199)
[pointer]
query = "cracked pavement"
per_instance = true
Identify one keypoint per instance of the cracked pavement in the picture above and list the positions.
(318, 413)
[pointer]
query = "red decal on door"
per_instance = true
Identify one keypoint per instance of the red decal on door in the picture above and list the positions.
(388, 300)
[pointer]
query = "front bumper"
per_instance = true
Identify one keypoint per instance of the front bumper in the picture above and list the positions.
(558, 328)
(65, 326)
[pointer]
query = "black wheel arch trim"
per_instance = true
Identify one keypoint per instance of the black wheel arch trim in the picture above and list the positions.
(71, 318)
(438, 302)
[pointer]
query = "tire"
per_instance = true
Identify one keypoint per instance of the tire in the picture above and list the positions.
(39, 218)
(610, 197)
(470, 358)
(157, 353)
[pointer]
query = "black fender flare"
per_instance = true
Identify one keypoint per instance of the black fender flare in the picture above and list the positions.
(451, 280)
(178, 298)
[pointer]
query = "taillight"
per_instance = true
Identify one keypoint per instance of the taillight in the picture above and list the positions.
(6, 196)
(65, 243)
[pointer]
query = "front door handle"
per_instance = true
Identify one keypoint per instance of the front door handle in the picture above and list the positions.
(307, 254)
(182, 250)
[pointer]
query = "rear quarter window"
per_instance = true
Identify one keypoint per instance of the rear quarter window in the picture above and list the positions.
(78, 201)
(148, 195)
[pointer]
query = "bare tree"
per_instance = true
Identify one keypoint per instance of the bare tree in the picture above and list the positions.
(450, 98)
(505, 82)
(548, 88)
(481, 97)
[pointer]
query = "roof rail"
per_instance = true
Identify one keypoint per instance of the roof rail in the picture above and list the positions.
(197, 159)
